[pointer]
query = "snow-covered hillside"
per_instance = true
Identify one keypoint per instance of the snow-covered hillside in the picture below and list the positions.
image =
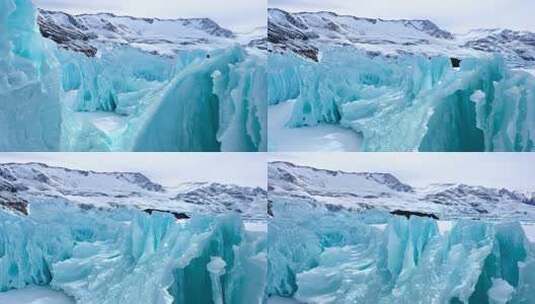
(88, 32)
(307, 33)
(337, 190)
(23, 184)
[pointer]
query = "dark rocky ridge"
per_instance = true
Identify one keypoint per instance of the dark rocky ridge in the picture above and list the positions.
(6, 173)
(67, 38)
(289, 32)
(76, 36)
(316, 188)
(22, 184)
(387, 179)
(177, 215)
(408, 214)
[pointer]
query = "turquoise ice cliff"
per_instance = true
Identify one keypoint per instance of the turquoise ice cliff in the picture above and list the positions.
(81, 93)
(400, 85)
(126, 256)
(337, 257)
(30, 107)
(410, 103)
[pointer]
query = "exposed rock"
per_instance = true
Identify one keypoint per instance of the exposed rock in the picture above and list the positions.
(408, 214)
(67, 38)
(13, 203)
(177, 215)
(455, 62)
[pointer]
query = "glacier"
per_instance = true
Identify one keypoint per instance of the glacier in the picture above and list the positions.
(410, 102)
(126, 256)
(316, 256)
(125, 98)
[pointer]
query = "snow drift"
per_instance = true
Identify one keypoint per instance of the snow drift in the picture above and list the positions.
(125, 97)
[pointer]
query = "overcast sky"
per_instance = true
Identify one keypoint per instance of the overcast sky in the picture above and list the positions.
(170, 169)
(453, 15)
(509, 170)
(237, 15)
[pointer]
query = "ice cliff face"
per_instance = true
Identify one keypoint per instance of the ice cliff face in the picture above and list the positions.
(83, 92)
(30, 108)
(326, 257)
(118, 237)
(362, 192)
(126, 256)
(404, 85)
(307, 33)
(24, 184)
(410, 103)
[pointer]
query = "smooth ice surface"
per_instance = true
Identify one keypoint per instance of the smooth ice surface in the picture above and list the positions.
(410, 103)
(126, 256)
(34, 295)
(335, 257)
(124, 98)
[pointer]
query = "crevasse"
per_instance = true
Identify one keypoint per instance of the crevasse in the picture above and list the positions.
(329, 257)
(125, 99)
(409, 103)
(126, 256)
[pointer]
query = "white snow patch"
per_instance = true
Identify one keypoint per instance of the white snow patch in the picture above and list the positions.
(444, 226)
(256, 226)
(529, 230)
(531, 71)
(381, 227)
(322, 138)
(500, 292)
(35, 295)
(107, 122)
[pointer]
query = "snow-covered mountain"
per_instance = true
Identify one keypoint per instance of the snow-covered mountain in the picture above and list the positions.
(307, 32)
(87, 33)
(338, 190)
(517, 47)
(23, 184)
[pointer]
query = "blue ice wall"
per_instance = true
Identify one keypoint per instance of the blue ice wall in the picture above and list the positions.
(30, 110)
(122, 256)
(329, 257)
(124, 99)
(409, 103)
(218, 104)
